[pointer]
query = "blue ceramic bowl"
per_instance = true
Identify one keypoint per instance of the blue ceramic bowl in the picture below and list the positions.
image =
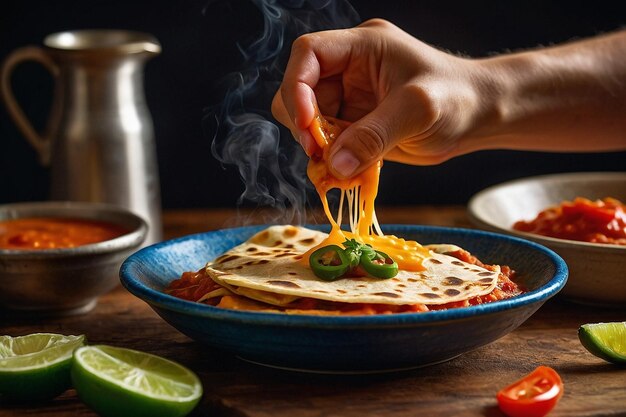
(346, 344)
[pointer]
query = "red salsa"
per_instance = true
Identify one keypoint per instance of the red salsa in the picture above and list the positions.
(54, 233)
(600, 221)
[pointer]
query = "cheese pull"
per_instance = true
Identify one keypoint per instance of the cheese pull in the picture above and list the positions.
(360, 193)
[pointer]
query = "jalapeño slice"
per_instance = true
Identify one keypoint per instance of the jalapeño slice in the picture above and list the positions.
(329, 263)
(378, 264)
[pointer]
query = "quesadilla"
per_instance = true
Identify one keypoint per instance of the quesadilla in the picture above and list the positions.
(267, 273)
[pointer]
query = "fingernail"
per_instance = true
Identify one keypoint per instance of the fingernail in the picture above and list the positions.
(344, 162)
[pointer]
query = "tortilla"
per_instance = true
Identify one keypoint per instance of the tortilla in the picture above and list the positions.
(269, 268)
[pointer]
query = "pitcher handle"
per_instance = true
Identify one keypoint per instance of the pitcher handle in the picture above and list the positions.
(27, 53)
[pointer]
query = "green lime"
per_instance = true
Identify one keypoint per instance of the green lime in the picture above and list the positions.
(605, 340)
(123, 382)
(36, 367)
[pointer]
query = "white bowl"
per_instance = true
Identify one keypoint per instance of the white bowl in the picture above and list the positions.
(597, 271)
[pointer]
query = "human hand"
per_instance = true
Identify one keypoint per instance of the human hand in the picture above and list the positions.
(405, 101)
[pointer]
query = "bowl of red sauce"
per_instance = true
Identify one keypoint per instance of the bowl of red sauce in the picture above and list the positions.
(581, 216)
(59, 257)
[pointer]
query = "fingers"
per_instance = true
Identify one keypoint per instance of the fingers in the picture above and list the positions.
(339, 71)
(318, 63)
(397, 117)
(303, 136)
(293, 104)
(301, 76)
(314, 57)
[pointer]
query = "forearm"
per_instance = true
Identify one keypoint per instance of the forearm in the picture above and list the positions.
(566, 98)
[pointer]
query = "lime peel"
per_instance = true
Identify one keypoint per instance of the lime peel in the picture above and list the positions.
(605, 340)
(57, 349)
(36, 367)
(123, 382)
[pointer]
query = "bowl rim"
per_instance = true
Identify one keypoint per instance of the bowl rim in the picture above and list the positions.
(131, 239)
(479, 220)
(160, 300)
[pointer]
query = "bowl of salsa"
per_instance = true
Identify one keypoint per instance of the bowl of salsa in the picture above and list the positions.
(59, 257)
(581, 216)
(594, 221)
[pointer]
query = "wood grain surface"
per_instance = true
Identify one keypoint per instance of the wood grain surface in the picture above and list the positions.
(465, 386)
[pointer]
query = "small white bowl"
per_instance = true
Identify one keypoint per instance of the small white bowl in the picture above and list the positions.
(597, 271)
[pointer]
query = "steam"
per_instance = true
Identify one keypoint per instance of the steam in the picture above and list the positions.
(270, 163)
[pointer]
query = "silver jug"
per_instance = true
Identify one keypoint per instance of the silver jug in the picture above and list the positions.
(99, 140)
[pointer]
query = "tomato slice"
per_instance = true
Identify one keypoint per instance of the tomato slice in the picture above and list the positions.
(532, 396)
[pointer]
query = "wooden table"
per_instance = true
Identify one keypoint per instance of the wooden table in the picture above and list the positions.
(465, 386)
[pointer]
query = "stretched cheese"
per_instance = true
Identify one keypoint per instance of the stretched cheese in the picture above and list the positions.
(360, 192)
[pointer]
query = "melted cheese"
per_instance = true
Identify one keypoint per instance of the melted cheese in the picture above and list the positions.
(359, 192)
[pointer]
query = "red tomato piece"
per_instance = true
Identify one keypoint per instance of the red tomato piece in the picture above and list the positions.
(592, 211)
(600, 221)
(532, 396)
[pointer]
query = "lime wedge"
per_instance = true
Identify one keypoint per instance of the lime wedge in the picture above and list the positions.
(605, 340)
(36, 367)
(124, 382)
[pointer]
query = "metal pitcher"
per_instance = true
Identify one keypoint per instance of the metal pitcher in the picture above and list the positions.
(99, 141)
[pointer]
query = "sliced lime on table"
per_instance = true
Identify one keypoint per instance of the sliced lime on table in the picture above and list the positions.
(36, 367)
(123, 382)
(605, 340)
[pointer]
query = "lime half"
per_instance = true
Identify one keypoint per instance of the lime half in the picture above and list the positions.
(36, 367)
(605, 340)
(124, 382)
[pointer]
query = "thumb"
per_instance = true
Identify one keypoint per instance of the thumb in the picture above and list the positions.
(371, 137)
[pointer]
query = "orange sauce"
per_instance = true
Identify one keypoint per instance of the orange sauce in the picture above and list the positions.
(55, 233)
(362, 190)
(600, 221)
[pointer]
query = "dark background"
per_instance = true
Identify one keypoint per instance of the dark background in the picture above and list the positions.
(200, 49)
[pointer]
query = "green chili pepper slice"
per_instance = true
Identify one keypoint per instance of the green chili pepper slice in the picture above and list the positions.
(378, 264)
(329, 263)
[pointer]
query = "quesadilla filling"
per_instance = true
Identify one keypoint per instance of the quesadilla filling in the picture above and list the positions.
(266, 274)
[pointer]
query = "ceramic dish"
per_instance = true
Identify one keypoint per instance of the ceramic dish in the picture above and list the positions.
(345, 344)
(596, 270)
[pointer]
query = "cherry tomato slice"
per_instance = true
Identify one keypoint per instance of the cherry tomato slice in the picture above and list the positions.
(532, 396)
